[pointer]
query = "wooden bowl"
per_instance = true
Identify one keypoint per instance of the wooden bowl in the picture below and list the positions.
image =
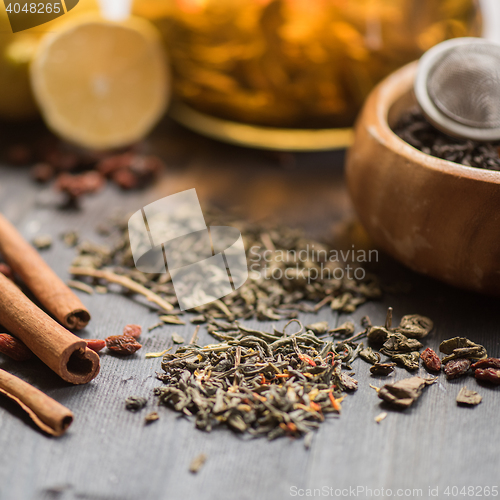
(437, 217)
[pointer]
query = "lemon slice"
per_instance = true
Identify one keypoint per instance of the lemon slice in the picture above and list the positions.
(101, 84)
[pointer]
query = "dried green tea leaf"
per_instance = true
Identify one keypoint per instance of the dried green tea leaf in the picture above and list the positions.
(177, 339)
(318, 328)
(461, 347)
(345, 329)
(409, 360)
(448, 346)
(378, 334)
(198, 319)
(415, 326)
(135, 403)
(397, 343)
(369, 355)
(70, 238)
(347, 382)
(467, 397)
(405, 392)
(42, 242)
(382, 369)
(172, 319)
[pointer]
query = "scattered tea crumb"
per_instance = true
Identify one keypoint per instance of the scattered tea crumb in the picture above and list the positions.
(197, 463)
(467, 397)
(156, 325)
(308, 440)
(70, 238)
(135, 403)
(157, 354)
(198, 319)
(194, 338)
(42, 242)
(151, 417)
(380, 417)
(177, 339)
(172, 319)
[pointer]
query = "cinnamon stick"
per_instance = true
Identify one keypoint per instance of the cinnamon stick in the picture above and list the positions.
(49, 415)
(57, 347)
(46, 286)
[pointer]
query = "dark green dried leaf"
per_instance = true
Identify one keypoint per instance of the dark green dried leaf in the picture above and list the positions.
(369, 355)
(415, 326)
(409, 361)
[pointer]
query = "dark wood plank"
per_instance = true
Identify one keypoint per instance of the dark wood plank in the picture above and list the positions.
(109, 454)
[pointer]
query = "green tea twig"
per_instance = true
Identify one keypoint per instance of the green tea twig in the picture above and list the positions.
(123, 281)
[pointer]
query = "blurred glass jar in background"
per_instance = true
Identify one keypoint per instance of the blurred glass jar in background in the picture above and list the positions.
(296, 63)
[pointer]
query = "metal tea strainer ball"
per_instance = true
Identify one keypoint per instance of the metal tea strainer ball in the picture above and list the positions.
(458, 88)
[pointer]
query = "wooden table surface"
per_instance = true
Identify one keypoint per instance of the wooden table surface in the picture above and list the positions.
(108, 452)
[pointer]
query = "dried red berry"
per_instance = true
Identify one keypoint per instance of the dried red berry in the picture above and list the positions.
(43, 172)
(6, 271)
(107, 166)
(96, 344)
(431, 360)
(14, 348)
(487, 363)
(77, 185)
(123, 344)
(456, 368)
(489, 375)
(125, 179)
(132, 330)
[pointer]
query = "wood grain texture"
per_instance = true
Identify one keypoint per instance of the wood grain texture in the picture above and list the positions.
(108, 453)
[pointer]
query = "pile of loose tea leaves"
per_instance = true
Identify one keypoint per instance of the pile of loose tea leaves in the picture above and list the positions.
(413, 128)
(286, 270)
(264, 384)
(279, 383)
(276, 383)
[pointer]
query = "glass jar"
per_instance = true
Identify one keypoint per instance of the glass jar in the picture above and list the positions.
(295, 64)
